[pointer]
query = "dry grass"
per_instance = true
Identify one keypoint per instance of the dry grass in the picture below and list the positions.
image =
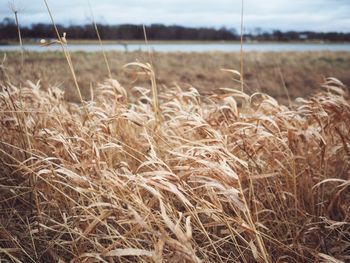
(209, 182)
(301, 73)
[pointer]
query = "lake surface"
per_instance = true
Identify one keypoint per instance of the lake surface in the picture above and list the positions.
(189, 47)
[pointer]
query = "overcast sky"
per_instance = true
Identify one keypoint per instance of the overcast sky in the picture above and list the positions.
(317, 15)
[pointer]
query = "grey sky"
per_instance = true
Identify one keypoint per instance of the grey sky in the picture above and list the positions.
(317, 15)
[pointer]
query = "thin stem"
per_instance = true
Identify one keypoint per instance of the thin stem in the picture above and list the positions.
(153, 80)
(100, 41)
(68, 58)
(19, 37)
(241, 52)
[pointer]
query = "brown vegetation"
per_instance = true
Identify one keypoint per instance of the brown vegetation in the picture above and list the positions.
(301, 73)
(205, 181)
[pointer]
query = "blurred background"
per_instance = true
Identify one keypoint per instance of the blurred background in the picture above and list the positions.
(288, 45)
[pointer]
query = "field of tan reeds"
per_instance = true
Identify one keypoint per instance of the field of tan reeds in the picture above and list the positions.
(130, 175)
(174, 163)
(301, 73)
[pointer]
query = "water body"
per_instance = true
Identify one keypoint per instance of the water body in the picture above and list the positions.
(190, 47)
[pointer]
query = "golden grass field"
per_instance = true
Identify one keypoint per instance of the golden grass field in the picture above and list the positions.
(301, 73)
(186, 169)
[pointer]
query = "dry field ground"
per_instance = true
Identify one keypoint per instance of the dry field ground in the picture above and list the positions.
(175, 173)
(301, 73)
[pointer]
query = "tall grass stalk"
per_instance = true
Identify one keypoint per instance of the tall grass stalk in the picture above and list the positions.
(21, 117)
(284, 85)
(15, 12)
(241, 48)
(100, 41)
(153, 79)
(62, 41)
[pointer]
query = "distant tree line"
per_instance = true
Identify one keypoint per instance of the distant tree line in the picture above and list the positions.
(277, 35)
(8, 31)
